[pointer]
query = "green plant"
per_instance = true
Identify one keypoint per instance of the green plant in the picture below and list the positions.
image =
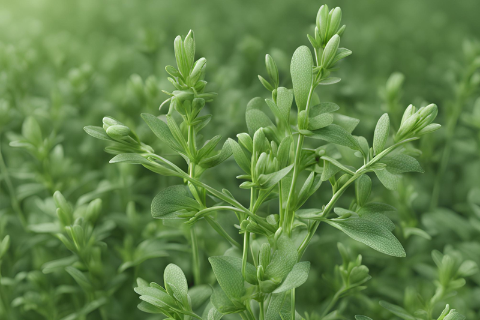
(281, 164)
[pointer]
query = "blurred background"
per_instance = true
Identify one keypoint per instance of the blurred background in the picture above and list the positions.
(67, 64)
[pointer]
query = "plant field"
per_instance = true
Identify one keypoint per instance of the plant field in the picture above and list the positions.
(270, 160)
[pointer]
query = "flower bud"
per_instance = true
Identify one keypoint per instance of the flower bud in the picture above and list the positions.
(259, 141)
(272, 70)
(408, 113)
(260, 272)
(107, 122)
(322, 22)
(264, 254)
(330, 51)
(198, 69)
(261, 164)
(246, 141)
(336, 18)
(118, 132)
(341, 30)
(181, 95)
(302, 120)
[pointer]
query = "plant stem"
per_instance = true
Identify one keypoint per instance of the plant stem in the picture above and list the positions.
(296, 171)
(196, 260)
(262, 310)
(332, 303)
(246, 237)
(328, 208)
(451, 125)
(292, 303)
(11, 190)
(221, 231)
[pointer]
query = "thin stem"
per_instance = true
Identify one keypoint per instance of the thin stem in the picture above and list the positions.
(214, 192)
(215, 225)
(332, 303)
(328, 208)
(246, 236)
(11, 190)
(296, 171)
(451, 125)
(262, 310)
(292, 303)
(196, 260)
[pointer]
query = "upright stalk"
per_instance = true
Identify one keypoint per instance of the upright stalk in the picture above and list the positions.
(11, 190)
(296, 170)
(196, 260)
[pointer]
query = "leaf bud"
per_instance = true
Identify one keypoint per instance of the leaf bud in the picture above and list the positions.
(330, 51)
(197, 70)
(336, 18)
(118, 132)
(264, 254)
(245, 141)
(272, 70)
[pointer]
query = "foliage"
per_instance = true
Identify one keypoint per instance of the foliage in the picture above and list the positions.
(275, 218)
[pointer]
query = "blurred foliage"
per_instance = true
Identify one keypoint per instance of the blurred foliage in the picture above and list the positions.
(65, 64)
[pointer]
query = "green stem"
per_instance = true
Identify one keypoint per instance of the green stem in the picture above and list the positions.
(246, 237)
(296, 171)
(196, 260)
(11, 190)
(262, 310)
(328, 208)
(332, 303)
(292, 303)
(214, 192)
(221, 231)
(451, 125)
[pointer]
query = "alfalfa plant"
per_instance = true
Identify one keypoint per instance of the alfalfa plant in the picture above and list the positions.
(279, 165)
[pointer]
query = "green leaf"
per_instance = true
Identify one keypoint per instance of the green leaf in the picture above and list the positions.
(173, 202)
(329, 81)
(31, 130)
(240, 158)
(208, 147)
(97, 132)
(295, 278)
(275, 307)
(320, 121)
(222, 302)
(398, 311)
(454, 315)
(302, 75)
(257, 119)
(322, 108)
(389, 180)
(362, 318)
(370, 233)
(363, 187)
(283, 259)
(381, 133)
(132, 158)
(215, 160)
(284, 102)
(161, 130)
(176, 283)
(375, 212)
(400, 163)
(199, 294)
(347, 123)
(276, 110)
(271, 179)
(229, 276)
(329, 170)
(337, 135)
(80, 278)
